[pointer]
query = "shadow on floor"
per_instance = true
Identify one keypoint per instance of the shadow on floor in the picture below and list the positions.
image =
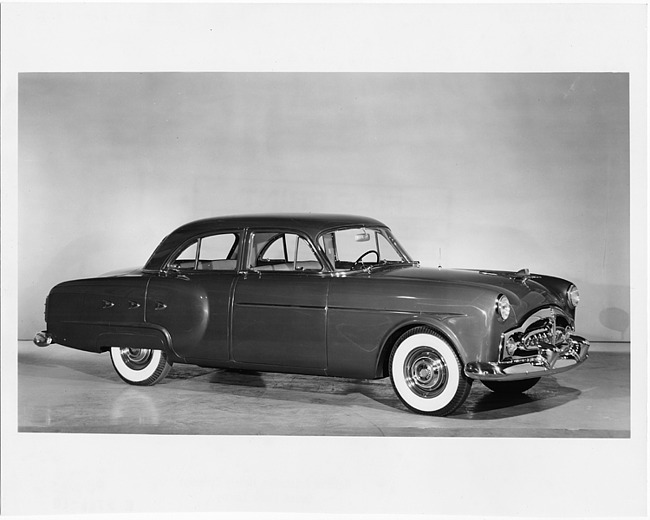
(485, 404)
(482, 403)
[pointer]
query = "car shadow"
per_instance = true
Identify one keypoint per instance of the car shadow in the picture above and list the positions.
(484, 404)
(303, 388)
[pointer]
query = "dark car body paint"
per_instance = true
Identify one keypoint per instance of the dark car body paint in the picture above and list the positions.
(305, 322)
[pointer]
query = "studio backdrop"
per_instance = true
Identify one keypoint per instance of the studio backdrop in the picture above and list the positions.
(494, 171)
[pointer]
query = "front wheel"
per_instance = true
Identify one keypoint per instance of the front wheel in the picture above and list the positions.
(427, 374)
(511, 387)
(140, 366)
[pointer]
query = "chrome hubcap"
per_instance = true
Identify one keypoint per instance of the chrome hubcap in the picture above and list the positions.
(425, 372)
(136, 358)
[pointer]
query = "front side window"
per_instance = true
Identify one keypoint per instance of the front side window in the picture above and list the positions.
(279, 251)
(209, 253)
(356, 248)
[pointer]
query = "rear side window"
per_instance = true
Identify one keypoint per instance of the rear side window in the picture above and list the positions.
(210, 253)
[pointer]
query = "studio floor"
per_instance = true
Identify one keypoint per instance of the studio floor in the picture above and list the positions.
(63, 390)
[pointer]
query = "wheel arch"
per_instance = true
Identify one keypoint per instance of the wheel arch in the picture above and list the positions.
(438, 326)
(146, 337)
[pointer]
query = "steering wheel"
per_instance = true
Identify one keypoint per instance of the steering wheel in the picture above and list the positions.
(370, 251)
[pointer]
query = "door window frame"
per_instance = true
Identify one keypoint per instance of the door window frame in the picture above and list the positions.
(250, 232)
(196, 239)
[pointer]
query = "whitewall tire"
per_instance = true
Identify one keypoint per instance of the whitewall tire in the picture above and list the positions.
(140, 366)
(427, 374)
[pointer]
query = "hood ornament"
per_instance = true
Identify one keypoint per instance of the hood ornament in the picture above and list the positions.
(522, 274)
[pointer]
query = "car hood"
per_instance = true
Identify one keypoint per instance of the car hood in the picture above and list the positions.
(532, 290)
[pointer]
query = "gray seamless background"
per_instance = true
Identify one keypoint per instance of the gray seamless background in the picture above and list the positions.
(499, 171)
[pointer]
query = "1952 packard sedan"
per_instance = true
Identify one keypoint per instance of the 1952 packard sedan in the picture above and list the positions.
(320, 294)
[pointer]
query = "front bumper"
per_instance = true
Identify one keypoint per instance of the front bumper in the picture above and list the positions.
(550, 359)
(542, 345)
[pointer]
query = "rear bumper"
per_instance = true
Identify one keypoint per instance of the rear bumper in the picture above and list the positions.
(549, 359)
(43, 339)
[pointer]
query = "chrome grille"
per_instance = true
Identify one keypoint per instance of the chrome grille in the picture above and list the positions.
(547, 327)
(547, 331)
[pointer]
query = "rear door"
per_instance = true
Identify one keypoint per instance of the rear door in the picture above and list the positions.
(191, 298)
(280, 300)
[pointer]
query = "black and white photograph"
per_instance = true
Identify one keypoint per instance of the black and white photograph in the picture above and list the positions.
(350, 259)
(321, 146)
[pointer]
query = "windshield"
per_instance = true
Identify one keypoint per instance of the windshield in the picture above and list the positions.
(358, 248)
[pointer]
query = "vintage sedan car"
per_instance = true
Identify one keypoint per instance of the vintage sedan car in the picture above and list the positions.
(329, 295)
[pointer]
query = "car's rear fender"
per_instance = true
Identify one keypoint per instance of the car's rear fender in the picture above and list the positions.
(100, 337)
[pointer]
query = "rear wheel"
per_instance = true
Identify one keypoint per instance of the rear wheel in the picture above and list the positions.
(511, 387)
(140, 366)
(427, 374)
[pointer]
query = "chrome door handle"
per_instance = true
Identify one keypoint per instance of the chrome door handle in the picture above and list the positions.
(160, 306)
(133, 305)
(107, 305)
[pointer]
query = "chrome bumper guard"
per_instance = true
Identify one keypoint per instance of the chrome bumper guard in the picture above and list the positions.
(549, 359)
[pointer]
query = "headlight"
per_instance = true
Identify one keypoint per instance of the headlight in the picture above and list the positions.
(573, 296)
(503, 307)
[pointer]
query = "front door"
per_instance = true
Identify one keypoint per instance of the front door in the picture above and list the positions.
(280, 300)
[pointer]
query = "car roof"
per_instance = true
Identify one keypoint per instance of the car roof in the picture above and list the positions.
(311, 224)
